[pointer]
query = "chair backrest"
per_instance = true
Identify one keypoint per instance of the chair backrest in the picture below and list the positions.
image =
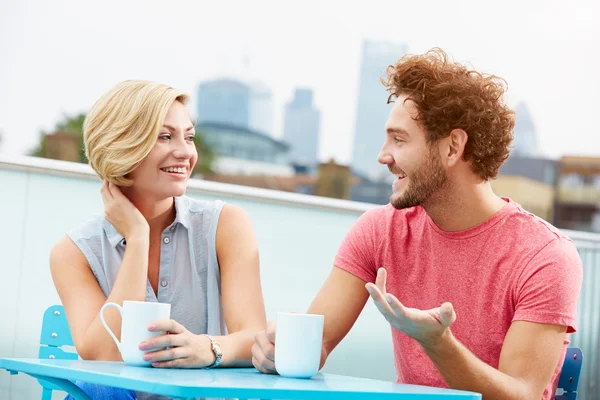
(569, 375)
(55, 328)
(55, 334)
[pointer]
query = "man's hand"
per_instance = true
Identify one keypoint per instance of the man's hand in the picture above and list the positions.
(426, 327)
(263, 350)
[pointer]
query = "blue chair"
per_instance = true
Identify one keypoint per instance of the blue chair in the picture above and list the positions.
(569, 375)
(55, 334)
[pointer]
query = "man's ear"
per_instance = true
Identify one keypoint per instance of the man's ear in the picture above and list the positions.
(455, 146)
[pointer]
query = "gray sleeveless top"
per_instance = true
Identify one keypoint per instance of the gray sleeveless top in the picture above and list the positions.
(189, 276)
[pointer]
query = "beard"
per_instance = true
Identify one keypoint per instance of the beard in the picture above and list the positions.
(425, 182)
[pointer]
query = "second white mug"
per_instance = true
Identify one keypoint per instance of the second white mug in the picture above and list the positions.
(298, 341)
(135, 318)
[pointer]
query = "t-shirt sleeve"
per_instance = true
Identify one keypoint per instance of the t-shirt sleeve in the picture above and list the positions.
(549, 287)
(357, 252)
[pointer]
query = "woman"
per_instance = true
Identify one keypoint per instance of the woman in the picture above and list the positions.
(155, 244)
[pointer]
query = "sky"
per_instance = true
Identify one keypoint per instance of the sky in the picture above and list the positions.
(58, 57)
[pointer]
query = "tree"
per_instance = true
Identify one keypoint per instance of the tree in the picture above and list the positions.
(72, 125)
(206, 155)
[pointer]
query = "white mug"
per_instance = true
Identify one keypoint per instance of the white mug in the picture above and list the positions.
(135, 318)
(298, 340)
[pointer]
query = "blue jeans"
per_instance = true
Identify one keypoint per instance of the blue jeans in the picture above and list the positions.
(100, 392)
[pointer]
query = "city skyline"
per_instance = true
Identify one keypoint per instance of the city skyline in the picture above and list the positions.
(549, 68)
(525, 141)
(302, 128)
(370, 113)
(223, 101)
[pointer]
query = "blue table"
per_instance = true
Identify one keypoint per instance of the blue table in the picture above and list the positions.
(221, 382)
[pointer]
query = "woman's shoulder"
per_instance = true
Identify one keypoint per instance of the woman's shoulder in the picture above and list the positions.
(71, 246)
(195, 206)
(93, 227)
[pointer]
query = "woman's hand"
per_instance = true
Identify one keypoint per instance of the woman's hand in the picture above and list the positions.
(121, 212)
(180, 347)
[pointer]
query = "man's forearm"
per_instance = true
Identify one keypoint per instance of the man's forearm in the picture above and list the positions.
(462, 370)
(236, 348)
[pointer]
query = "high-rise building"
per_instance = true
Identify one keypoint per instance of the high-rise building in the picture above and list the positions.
(525, 142)
(301, 128)
(224, 101)
(372, 113)
(241, 151)
(261, 109)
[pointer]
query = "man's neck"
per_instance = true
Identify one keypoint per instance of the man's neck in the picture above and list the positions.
(459, 208)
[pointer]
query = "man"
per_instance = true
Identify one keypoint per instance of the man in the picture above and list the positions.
(480, 294)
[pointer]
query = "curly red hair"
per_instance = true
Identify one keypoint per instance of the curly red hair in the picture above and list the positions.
(451, 96)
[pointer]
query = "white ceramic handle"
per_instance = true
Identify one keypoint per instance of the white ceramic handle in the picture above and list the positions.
(112, 335)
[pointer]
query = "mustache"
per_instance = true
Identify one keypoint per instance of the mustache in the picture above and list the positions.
(395, 171)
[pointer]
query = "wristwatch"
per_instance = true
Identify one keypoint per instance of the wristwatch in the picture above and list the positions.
(215, 349)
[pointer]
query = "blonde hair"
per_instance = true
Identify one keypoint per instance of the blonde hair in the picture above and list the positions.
(122, 127)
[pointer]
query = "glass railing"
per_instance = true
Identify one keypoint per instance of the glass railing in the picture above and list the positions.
(298, 237)
(588, 314)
